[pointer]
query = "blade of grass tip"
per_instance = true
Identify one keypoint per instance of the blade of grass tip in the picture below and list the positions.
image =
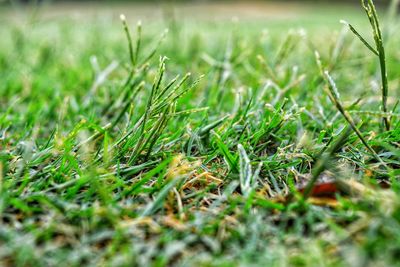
(334, 96)
(161, 71)
(154, 89)
(395, 107)
(179, 85)
(373, 50)
(336, 101)
(153, 52)
(166, 88)
(322, 163)
(372, 15)
(129, 38)
(189, 88)
(138, 41)
(382, 62)
(175, 94)
(248, 179)
(245, 171)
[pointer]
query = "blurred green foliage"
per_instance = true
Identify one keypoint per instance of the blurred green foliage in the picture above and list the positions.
(189, 1)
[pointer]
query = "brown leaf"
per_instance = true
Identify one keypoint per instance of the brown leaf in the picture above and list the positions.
(327, 189)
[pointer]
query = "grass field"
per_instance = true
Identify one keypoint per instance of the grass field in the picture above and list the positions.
(247, 135)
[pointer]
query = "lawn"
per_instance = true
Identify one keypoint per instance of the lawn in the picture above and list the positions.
(258, 134)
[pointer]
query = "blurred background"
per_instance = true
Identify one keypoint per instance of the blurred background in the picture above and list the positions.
(190, 9)
(151, 10)
(81, 28)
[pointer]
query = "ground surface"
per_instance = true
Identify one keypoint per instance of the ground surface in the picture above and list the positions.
(109, 158)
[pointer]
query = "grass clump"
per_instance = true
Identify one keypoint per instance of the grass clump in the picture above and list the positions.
(208, 151)
(379, 51)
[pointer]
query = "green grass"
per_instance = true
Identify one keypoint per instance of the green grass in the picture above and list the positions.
(125, 145)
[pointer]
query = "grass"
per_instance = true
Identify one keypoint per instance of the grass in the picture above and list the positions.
(128, 145)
